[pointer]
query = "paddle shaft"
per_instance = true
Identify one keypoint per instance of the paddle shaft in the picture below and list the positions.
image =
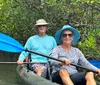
(60, 60)
(23, 63)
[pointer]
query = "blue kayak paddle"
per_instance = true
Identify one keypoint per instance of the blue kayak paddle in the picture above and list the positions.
(11, 45)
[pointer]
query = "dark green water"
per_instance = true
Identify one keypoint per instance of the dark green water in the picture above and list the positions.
(8, 74)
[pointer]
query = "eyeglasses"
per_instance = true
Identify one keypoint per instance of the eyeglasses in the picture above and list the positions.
(65, 35)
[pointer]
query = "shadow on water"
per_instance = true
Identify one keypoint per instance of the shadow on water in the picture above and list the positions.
(8, 74)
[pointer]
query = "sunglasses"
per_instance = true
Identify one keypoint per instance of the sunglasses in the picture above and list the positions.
(41, 25)
(65, 35)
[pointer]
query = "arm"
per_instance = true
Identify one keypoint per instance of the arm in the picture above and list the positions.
(54, 43)
(54, 54)
(24, 54)
(84, 62)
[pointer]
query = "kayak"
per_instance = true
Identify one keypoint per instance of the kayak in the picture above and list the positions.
(95, 63)
(30, 78)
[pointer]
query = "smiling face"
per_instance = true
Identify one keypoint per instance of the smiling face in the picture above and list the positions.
(67, 37)
(42, 28)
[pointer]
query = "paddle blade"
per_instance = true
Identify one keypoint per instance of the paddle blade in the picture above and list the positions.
(10, 44)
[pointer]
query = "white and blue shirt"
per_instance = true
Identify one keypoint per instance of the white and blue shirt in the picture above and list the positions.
(74, 55)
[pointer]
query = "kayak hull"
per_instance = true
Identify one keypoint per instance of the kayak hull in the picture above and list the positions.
(30, 78)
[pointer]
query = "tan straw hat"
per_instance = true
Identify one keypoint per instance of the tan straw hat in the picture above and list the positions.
(41, 22)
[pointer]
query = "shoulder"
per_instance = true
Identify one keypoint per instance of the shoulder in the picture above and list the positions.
(50, 37)
(32, 37)
(76, 49)
(57, 48)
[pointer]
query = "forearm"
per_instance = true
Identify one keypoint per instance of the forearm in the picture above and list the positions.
(88, 65)
(23, 55)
